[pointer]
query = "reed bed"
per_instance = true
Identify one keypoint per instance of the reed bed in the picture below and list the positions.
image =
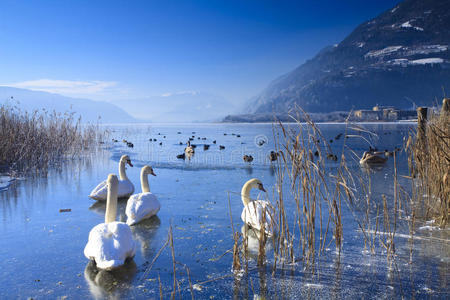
(319, 184)
(34, 141)
(302, 174)
(429, 162)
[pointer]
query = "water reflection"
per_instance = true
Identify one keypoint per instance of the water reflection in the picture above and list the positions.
(109, 284)
(253, 242)
(249, 170)
(99, 207)
(144, 232)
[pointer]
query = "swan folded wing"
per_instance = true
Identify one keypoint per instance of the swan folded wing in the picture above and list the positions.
(141, 206)
(257, 213)
(126, 188)
(110, 245)
(100, 191)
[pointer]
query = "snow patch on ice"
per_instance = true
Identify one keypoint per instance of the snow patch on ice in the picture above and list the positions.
(314, 285)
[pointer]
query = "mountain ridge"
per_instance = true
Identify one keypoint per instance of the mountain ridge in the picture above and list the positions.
(398, 58)
(89, 110)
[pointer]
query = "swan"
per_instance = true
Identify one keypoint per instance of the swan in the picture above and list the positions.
(143, 205)
(257, 212)
(110, 243)
(126, 187)
(372, 159)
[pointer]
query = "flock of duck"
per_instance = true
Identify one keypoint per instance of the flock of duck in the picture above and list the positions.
(111, 245)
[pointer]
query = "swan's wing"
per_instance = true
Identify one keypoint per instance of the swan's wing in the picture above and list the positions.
(126, 188)
(141, 206)
(100, 191)
(258, 212)
(110, 244)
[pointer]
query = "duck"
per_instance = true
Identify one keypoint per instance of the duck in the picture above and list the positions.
(205, 147)
(189, 149)
(110, 244)
(332, 156)
(372, 159)
(273, 156)
(126, 187)
(181, 156)
(257, 212)
(143, 205)
(221, 147)
(248, 158)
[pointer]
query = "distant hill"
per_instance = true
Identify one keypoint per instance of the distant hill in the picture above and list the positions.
(397, 58)
(189, 106)
(89, 110)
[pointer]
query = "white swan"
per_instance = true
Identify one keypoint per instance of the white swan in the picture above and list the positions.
(126, 187)
(143, 205)
(110, 243)
(257, 212)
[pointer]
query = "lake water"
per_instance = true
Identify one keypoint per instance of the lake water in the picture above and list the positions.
(41, 248)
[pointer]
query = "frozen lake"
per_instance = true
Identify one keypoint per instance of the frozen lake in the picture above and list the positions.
(41, 249)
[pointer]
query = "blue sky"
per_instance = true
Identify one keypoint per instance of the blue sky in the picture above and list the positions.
(108, 50)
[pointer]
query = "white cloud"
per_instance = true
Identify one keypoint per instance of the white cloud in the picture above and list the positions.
(65, 86)
(180, 93)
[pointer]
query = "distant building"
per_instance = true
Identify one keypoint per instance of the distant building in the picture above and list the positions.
(384, 113)
(382, 108)
(367, 115)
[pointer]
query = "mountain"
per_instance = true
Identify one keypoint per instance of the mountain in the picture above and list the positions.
(398, 58)
(186, 106)
(89, 110)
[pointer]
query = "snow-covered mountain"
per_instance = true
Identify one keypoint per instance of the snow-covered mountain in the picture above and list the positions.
(89, 110)
(398, 58)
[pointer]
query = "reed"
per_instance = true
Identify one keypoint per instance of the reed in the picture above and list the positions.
(429, 162)
(34, 141)
(318, 200)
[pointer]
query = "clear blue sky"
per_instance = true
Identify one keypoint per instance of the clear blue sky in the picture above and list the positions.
(128, 49)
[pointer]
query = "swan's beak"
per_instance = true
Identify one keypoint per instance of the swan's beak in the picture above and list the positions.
(153, 173)
(261, 187)
(129, 162)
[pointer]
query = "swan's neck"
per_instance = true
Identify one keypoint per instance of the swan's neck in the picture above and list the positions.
(144, 182)
(111, 203)
(245, 193)
(122, 174)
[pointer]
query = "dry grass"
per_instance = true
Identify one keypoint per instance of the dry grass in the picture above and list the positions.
(304, 154)
(34, 141)
(429, 162)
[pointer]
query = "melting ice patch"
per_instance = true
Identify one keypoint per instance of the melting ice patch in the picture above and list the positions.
(5, 182)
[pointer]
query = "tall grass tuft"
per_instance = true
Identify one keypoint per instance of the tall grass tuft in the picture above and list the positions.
(34, 141)
(430, 166)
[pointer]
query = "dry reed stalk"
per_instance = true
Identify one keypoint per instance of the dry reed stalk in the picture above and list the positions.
(174, 269)
(161, 297)
(309, 187)
(430, 166)
(34, 141)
